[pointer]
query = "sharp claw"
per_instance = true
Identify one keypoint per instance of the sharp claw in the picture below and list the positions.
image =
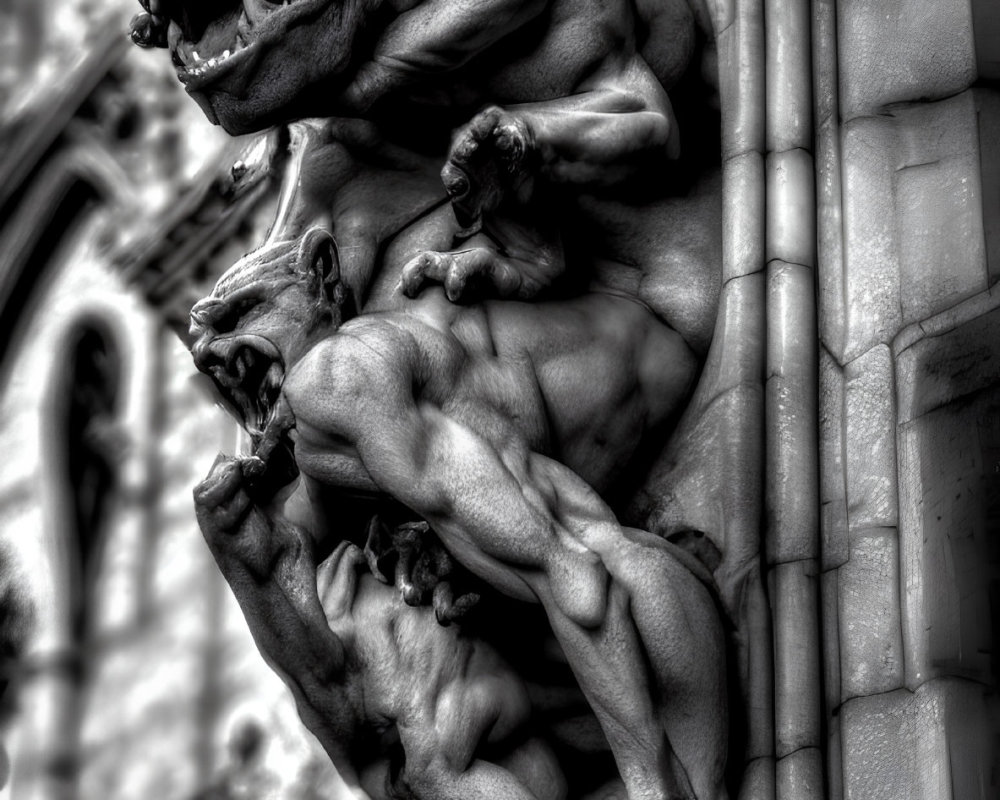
(369, 552)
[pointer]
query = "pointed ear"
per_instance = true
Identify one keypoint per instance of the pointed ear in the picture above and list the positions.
(318, 252)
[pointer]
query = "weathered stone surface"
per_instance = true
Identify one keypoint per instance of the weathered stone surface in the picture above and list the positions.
(741, 81)
(920, 162)
(829, 585)
(799, 775)
(871, 647)
(743, 215)
(834, 757)
(833, 487)
(931, 744)
(797, 668)
(939, 211)
(988, 110)
(789, 75)
(758, 780)
(958, 354)
(792, 466)
(826, 90)
(832, 310)
(758, 681)
(950, 462)
(870, 440)
(908, 50)
(986, 27)
(871, 259)
(791, 209)
(738, 344)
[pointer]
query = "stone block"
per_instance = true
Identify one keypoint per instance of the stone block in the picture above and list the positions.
(738, 344)
(903, 51)
(829, 587)
(870, 440)
(950, 462)
(791, 498)
(826, 98)
(932, 744)
(834, 756)
(797, 667)
(799, 775)
(871, 257)
(959, 354)
(986, 27)
(741, 81)
(743, 215)
(939, 209)
(833, 487)
(791, 207)
(871, 647)
(792, 464)
(988, 112)
(789, 75)
(831, 308)
(758, 780)
(912, 217)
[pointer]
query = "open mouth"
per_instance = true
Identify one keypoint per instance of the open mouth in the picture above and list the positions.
(211, 39)
(249, 373)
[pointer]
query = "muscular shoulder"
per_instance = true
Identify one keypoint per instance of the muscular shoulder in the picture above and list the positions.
(355, 367)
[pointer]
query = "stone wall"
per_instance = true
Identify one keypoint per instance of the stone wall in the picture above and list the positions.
(908, 178)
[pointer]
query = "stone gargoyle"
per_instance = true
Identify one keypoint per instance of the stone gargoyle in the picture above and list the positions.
(458, 414)
(544, 115)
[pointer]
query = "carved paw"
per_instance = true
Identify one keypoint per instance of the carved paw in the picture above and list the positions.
(464, 274)
(221, 500)
(448, 608)
(490, 159)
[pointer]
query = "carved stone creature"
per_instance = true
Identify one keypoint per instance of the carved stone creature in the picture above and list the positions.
(546, 94)
(457, 414)
(405, 707)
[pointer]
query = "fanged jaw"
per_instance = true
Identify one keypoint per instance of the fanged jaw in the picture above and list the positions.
(232, 37)
(250, 375)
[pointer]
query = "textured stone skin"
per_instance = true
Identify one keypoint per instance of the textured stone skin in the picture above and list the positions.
(359, 661)
(659, 580)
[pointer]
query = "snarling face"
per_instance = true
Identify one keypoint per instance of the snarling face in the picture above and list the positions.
(263, 315)
(253, 63)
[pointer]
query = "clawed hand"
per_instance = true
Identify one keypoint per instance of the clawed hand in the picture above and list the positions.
(490, 159)
(221, 500)
(422, 567)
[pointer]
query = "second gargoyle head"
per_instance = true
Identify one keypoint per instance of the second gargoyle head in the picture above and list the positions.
(264, 314)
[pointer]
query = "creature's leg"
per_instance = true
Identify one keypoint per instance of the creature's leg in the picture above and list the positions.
(610, 666)
(618, 125)
(676, 628)
(668, 603)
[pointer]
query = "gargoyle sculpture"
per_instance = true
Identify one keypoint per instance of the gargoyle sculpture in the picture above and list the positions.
(405, 707)
(549, 99)
(456, 413)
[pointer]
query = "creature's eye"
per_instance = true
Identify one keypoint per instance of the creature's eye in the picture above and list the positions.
(233, 313)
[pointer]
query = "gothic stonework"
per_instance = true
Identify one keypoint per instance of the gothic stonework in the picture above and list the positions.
(672, 319)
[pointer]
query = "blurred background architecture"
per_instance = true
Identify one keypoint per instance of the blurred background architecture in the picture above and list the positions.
(127, 669)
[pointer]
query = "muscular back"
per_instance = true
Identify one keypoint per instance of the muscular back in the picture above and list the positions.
(582, 381)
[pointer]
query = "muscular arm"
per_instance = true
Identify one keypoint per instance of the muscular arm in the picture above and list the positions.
(480, 494)
(268, 563)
